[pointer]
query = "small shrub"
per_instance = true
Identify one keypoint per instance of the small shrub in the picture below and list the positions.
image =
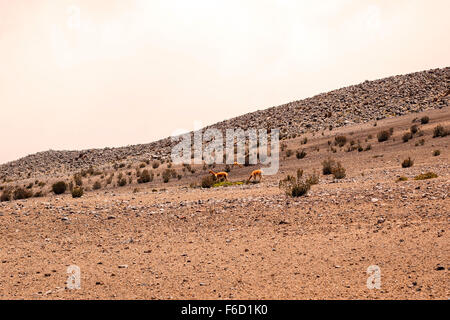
(21, 193)
(440, 131)
(424, 120)
(407, 136)
(313, 179)
(426, 176)
(300, 185)
(142, 165)
(300, 154)
(227, 168)
(402, 178)
(59, 187)
(383, 136)
(145, 176)
(78, 179)
(121, 182)
(338, 171)
(414, 128)
(155, 164)
(407, 163)
(289, 153)
(436, 153)
(6, 195)
(340, 140)
(327, 166)
(208, 181)
(97, 185)
(38, 194)
(300, 189)
(77, 192)
(167, 174)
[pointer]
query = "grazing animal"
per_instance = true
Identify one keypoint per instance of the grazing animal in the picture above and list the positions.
(237, 164)
(256, 173)
(219, 175)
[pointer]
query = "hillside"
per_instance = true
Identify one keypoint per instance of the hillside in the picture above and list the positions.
(368, 101)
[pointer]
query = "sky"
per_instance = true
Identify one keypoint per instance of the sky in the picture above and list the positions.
(78, 74)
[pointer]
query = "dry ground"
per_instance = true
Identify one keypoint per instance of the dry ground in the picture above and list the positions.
(252, 241)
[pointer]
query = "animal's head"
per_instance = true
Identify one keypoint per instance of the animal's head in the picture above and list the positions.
(212, 172)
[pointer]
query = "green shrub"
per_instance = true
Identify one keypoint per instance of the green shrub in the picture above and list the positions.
(407, 163)
(77, 192)
(425, 176)
(289, 153)
(59, 187)
(436, 153)
(402, 178)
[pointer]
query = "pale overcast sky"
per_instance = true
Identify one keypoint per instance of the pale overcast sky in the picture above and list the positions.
(78, 74)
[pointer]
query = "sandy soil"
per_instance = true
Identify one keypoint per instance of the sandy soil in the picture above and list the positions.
(252, 241)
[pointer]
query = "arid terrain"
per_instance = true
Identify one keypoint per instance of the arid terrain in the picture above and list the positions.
(177, 240)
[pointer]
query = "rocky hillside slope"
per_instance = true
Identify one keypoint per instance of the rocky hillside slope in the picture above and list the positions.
(368, 101)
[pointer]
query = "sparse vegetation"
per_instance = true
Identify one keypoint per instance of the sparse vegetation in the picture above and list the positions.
(340, 140)
(21, 193)
(383, 136)
(327, 166)
(289, 153)
(407, 136)
(300, 154)
(424, 120)
(440, 131)
(155, 164)
(402, 178)
(426, 176)
(121, 182)
(77, 192)
(78, 179)
(59, 187)
(407, 163)
(208, 181)
(145, 176)
(338, 171)
(6, 195)
(436, 153)
(97, 185)
(414, 128)
(167, 174)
